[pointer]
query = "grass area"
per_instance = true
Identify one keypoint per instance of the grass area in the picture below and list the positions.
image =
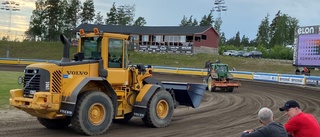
(53, 51)
(8, 80)
(198, 61)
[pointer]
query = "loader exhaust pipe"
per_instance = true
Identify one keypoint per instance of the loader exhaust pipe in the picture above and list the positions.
(66, 48)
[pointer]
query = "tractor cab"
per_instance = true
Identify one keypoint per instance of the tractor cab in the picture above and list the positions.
(219, 77)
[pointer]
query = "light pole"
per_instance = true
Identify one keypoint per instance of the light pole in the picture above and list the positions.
(10, 6)
(219, 7)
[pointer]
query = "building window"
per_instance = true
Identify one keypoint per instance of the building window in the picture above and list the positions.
(145, 38)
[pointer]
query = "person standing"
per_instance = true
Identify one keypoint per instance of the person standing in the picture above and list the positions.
(300, 124)
(270, 128)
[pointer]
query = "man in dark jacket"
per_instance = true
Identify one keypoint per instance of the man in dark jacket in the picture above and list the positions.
(269, 129)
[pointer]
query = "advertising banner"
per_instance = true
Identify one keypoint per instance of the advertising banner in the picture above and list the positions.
(164, 49)
(292, 79)
(312, 81)
(266, 77)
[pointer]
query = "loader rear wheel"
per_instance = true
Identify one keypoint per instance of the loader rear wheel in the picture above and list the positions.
(54, 123)
(93, 113)
(159, 110)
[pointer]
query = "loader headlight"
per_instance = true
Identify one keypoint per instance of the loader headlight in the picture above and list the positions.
(20, 80)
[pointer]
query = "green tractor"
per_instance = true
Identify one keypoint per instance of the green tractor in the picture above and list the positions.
(219, 77)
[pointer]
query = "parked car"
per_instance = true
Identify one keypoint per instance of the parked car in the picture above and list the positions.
(252, 54)
(238, 53)
(228, 52)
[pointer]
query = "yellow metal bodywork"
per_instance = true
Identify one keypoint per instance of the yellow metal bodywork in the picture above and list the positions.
(37, 106)
(125, 81)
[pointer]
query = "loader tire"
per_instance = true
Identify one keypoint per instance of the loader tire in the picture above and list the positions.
(93, 113)
(159, 110)
(54, 123)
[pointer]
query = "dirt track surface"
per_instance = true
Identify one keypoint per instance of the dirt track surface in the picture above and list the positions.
(221, 114)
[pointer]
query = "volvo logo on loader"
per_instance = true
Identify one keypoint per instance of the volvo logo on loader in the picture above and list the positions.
(77, 72)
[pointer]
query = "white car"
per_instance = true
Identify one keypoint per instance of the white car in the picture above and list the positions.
(229, 52)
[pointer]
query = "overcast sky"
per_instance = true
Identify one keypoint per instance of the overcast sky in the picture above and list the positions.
(242, 15)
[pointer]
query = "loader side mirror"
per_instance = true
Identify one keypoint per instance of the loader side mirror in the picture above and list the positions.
(78, 56)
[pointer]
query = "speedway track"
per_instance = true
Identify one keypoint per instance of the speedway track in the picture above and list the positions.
(221, 114)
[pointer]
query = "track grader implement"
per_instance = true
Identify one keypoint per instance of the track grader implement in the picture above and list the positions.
(219, 77)
(98, 87)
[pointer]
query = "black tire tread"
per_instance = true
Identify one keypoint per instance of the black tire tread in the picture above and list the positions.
(54, 123)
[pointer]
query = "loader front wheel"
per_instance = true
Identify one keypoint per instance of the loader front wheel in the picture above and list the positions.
(54, 123)
(93, 113)
(159, 110)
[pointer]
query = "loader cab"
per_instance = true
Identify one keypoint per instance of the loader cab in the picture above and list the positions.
(108, 48)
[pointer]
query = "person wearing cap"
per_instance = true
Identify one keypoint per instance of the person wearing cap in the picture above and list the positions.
(300, 124)
(270, 128)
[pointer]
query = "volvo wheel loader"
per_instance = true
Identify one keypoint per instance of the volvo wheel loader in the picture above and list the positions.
(98, 87)
(219, 77)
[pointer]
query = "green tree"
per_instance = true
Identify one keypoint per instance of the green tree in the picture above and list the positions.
(125, 14)
(98, 18)
(222, 39)
(237, 40)
(244, 41)
(188, 22)
(207, 20)
(112, 15)
(282, 29)
(263, 37)
(195, 22)
(53, 22)
(184, 21)
(88, 12)
(217, 25)
(72, 16)
(140, 21)
(36, 24)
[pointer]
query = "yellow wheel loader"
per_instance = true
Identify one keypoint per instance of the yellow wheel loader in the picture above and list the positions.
(98, 87)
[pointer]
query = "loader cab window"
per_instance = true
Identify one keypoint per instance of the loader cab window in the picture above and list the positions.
(91, 47)
(115, 53)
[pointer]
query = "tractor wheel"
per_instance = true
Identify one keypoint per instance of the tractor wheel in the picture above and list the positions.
(230, 89)
(209, 84)
(159, 110)
(93, 113)
(126, 118)
(54, 123)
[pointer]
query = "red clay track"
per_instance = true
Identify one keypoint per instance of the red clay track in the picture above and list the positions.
(221, 114)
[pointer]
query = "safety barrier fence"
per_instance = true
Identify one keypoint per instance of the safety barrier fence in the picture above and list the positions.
(256, 76)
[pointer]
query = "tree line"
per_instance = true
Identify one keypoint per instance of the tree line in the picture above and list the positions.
(53, 17)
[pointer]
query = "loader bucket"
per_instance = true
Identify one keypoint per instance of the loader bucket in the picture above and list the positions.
(187, 94)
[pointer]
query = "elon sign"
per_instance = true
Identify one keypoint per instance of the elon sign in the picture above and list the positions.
(307, 52)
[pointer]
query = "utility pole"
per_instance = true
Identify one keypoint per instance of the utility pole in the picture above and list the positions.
(10, 6)
(219, 7)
